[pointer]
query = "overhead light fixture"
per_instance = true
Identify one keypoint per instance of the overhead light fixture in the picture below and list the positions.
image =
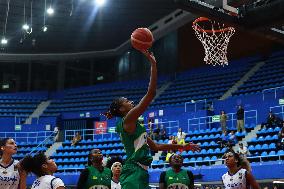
(100, 2)
(4, 41)
(25, 26)
(44, 28)
(50, 11)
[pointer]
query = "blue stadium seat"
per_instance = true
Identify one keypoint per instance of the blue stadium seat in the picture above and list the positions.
(264, 153)
(264, 147)
(272, 146)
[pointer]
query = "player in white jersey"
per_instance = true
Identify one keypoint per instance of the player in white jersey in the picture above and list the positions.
(116, 170)
(237, 177)
(11, 176)
(43, 168)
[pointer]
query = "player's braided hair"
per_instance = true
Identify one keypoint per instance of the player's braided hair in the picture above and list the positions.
(114, 109)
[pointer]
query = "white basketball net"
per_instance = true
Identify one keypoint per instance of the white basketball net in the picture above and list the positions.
(215, 42)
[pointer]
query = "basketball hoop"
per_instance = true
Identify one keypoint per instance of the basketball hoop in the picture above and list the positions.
(215, 40)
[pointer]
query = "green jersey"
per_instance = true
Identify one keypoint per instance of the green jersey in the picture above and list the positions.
(135, 144)
(97, 179)
(180, 180)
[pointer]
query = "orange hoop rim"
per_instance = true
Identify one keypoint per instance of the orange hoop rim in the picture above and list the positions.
(203, 19)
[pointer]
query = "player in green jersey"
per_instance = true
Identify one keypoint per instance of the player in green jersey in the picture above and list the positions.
(134, 137)
(176, 177)
(95, 175)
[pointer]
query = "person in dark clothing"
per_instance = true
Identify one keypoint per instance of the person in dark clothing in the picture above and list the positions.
(240, 119)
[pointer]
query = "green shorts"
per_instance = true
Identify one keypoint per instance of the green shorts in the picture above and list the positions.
(134, 177)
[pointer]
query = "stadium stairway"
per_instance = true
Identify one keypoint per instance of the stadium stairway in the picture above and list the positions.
(52, 149)
(162, 89)
(248, 137)
(38, 111)
(235, 87)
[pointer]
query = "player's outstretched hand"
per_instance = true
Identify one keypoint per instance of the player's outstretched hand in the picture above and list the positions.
(150, 56)
(191, 146)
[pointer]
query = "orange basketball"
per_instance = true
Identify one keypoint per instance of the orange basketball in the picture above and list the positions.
(142, 39)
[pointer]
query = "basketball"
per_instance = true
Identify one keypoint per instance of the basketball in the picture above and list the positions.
(142, 39)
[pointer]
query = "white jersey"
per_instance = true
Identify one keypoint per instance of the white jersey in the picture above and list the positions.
(115, 185)
(47, 182)
(9, 176)
(236, 181)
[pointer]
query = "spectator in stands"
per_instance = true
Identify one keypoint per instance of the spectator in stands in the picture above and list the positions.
(240, 119)
(224, 139)
(176, 177)
(243, 151)
(171, 138)
(133, 135)
(181, 136)
(77, 138)
(12, 176)
(169, 154)
(271, 119)
(163, 134)
(95, 169)
(280, 143)
(232, 138)
(56, 134)
(237, 177)
(151, 133)
(43, 168)
(223, 121)
(157, 133)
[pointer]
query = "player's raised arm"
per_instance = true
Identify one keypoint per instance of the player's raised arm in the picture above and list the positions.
(132, 116)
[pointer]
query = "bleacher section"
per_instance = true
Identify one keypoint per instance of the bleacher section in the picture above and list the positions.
(20, 104)
(204, 83)
(98, 97)
(268, 76)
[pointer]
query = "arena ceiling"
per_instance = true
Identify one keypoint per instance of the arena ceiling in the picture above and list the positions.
(77, 25)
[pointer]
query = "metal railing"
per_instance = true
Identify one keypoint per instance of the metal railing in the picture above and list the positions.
(170, 126)
(27, 137)
(272, 90)
(278, 110)
(207, 121)
(195, 103)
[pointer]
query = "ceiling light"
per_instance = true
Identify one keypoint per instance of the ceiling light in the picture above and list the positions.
(44, 28)
(50, 11)
(4, 41)
(25, 26)
(100, 2)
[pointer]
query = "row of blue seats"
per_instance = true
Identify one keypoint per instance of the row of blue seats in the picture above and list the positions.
(264, 139)
(269, 130)
(85, 153)
(262, 147)
(110, 145)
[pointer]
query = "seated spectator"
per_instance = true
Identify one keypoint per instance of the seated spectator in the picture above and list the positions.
(243, 151)
(232, 138)
(151, 133)
(156, 133)
(224, 139)
(271, 119)
(169, 154)
(174, 140)
(163, 134)
(77, 138)
(180, 136)
(171, 138)
(280, 143)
